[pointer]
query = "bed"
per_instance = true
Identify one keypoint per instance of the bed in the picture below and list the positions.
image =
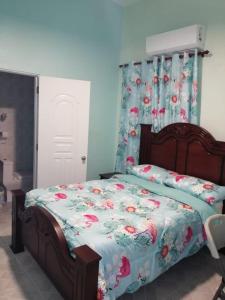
(77, 271)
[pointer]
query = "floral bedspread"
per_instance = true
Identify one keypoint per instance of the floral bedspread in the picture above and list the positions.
(138, 233)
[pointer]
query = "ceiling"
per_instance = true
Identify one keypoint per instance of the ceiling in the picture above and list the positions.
(125, 2)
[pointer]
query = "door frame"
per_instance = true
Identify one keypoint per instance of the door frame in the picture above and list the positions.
(18, 72)
(36, 109)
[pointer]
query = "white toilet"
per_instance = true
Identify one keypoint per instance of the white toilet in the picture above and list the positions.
(14, 180)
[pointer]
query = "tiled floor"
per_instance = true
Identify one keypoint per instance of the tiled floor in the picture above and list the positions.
(21, 278)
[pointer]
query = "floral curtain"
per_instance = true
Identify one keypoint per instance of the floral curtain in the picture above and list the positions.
(158, 93)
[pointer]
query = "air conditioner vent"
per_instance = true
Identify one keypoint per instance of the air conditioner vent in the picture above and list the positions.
(190, 37)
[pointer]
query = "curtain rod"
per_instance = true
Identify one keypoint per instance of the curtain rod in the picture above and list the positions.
(200, 53)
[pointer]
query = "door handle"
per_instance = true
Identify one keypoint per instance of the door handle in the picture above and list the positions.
(83, 158)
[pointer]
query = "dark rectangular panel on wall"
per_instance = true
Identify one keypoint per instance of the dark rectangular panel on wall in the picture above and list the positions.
(145, 144)
(155, 151)
(164, 154)
(201, 163)
(181, 154)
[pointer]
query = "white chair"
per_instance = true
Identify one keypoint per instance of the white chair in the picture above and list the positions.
(215, 231)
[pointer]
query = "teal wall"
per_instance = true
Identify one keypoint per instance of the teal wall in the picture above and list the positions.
(151, 17)
(77, 39)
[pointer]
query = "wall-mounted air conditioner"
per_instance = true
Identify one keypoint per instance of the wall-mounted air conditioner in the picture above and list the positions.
(176, 40)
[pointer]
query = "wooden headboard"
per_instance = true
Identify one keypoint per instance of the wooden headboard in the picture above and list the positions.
(186, 149)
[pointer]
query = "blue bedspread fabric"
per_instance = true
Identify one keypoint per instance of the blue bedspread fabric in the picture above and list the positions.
(139, 228)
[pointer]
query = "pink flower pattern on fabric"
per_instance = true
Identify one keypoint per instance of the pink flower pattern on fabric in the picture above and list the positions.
(157, 93)
(60, 196)
(124, 270)
(90, 220)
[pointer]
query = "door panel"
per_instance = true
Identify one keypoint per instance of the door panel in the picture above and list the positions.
(62, 130)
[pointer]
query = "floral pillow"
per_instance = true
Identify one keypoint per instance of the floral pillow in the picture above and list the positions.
(205, 190)
(149, 172)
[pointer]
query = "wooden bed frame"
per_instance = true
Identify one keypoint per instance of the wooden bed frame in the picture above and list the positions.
(185, 148)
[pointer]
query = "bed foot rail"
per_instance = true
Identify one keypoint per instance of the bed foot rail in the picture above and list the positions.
(88, 262)
(17, 207)
(36, 229)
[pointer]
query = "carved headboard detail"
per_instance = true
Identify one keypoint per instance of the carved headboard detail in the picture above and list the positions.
(186, 149)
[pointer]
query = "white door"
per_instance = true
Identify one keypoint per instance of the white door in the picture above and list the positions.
(63, 119)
